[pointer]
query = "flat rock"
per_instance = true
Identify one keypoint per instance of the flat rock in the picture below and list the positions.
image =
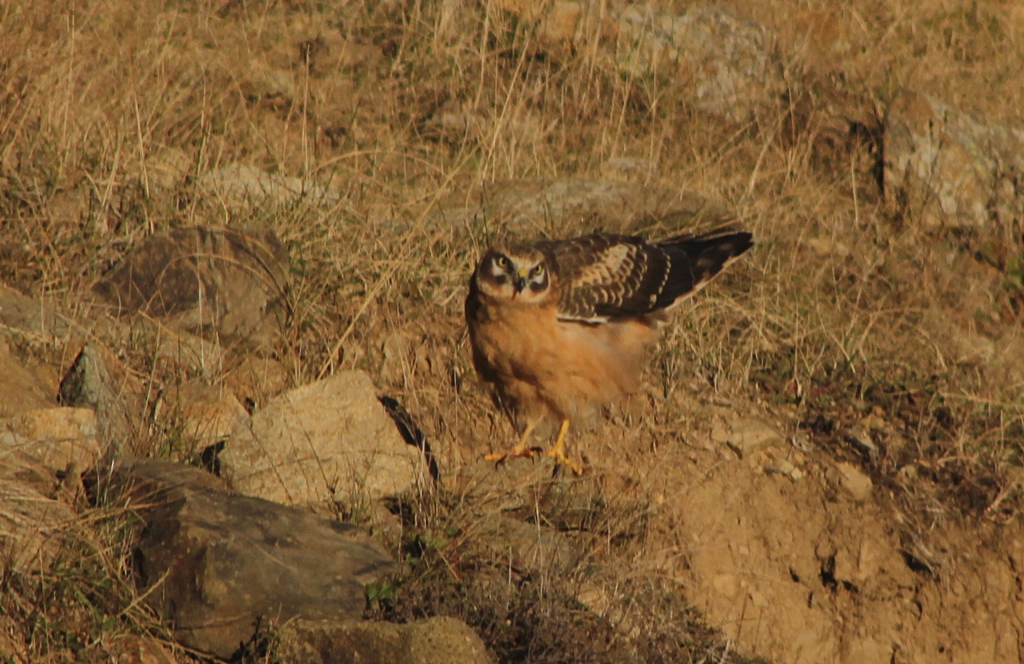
(438, 639)
(328, 440)
(55, 437)
(203, 278)
(215, 564)
(746, 435)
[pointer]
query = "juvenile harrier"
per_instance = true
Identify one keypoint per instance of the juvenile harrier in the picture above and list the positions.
(559, 327)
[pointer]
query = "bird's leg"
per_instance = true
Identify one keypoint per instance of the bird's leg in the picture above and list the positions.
(520, 449)
(558, 451)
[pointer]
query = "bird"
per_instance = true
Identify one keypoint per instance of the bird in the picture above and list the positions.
(559, 327)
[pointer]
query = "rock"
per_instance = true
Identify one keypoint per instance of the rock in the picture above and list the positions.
(744, 436)
(238, 185)
(201, 278)
(855, 481)
(56, 437)
(34, 529)
(31, 317)
(98, 380)
(134, 649)
(528, 548)
(532, 206)
(215, 564)
(257, 379)
(438, 639)
(526, 487)
(952, 170)
(323, 441)
(729, 64)
(20, 388)
(208, 413)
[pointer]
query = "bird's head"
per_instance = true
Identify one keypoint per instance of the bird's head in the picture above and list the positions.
(514, 274)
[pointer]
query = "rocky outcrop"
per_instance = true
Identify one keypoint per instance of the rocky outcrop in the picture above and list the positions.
(217, 565)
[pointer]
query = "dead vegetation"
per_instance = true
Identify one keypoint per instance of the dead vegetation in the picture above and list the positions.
(882, 342)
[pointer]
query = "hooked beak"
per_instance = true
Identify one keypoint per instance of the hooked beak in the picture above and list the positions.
(519, 283)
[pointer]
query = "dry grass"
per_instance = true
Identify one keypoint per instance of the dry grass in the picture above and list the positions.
(845, 308)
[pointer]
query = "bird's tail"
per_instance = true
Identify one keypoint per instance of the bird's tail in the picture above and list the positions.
(697, 259)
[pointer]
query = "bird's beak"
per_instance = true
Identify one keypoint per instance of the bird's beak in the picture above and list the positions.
(520, 281)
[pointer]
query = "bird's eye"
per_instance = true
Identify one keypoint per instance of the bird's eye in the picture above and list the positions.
(537, 272)
(501, 262)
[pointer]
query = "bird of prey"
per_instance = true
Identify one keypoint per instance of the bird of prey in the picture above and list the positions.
(559, 327)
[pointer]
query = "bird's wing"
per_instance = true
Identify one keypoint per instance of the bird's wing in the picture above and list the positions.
(611, 276)
(607, 276)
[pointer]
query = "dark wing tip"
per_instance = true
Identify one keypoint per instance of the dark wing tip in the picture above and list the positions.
(696, 259)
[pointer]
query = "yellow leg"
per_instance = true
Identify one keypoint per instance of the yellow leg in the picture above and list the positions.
(519, 450)
(558, 451)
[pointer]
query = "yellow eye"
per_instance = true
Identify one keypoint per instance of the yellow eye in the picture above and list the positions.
(537, 272)
(501, 262)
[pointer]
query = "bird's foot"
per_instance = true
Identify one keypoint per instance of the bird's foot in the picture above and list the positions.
(562, 460)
